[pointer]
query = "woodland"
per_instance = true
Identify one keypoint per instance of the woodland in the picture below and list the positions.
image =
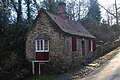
(18, 16)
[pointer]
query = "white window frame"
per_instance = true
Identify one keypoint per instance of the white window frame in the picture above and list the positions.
(36, 45)
(91, 45)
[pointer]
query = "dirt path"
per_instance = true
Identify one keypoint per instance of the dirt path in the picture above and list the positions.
(110, 71)
(107, 71)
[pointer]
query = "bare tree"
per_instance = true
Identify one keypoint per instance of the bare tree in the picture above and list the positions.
(4, 4)
(82, 8)
(116, 15)
(71, 5)
(109, 17)
(77, 9)
(18, 9)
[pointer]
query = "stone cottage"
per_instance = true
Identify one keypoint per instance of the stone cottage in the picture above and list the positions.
(57, 40)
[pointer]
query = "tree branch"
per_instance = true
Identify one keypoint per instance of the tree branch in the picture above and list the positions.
(118, 8)
(14, 6)
(5, 3)
(35, 2)
(107, 10)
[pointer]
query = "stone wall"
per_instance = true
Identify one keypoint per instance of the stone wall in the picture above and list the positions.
(61, 55)
(75, 58)
(43, 25)
(106, 47)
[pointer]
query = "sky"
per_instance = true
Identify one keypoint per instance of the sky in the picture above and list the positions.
(107, 3)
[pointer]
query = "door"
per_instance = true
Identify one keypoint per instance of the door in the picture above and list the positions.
(36, 64)
(83, 48)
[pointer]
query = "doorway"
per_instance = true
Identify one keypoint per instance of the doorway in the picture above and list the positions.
(83, 48)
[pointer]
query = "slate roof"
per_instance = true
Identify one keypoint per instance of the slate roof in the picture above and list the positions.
(70, 26)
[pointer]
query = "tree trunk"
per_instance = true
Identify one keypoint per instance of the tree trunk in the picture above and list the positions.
(19, 13)
(28, 11)
(116, 10)
(79, 10)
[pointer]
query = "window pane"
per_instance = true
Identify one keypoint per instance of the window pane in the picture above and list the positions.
(38, 45)
(46, 45)
(41, 44)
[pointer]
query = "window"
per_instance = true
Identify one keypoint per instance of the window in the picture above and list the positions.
(92, 45)
(74, 44)
(42, 45)
(45, 44)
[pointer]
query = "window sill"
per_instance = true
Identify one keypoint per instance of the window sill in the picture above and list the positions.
(42, 51)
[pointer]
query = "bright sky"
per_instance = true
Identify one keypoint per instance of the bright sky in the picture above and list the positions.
(104, 3)
(107, 3)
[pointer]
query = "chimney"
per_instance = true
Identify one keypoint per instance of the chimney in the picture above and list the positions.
(62, 9)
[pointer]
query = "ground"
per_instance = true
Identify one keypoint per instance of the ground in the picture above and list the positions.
(106, 64)
(110, 71)
(103, 68)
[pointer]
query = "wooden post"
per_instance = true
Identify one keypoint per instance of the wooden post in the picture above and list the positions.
(39, 69)
(33, 67)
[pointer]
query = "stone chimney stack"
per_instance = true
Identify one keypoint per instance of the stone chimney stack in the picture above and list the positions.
(62, 9)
